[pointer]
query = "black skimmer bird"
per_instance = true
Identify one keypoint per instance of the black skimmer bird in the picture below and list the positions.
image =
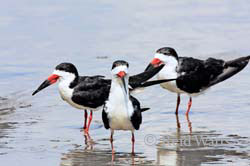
(193, 75)
(122, 111)
(88, 92)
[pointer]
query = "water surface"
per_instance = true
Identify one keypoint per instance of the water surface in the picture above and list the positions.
(42, 130)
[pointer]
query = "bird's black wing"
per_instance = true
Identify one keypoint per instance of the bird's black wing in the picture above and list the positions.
(188, 64)
(196, 75)
(91, 91)
(191, 77)
(90, 78)
(136, 118)
(230, 68)
(136, 80)
(105, 118)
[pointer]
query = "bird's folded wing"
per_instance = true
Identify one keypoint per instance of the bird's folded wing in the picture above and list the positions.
(91, 93)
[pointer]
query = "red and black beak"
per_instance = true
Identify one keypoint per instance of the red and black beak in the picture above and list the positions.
(122, 74)
(154, 63)
(51, 80)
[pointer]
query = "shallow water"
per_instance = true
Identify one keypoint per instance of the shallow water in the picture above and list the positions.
(43, 130)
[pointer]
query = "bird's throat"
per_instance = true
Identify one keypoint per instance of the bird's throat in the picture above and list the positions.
(118, 91)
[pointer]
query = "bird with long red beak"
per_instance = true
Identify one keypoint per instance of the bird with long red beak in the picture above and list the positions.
(88, 92)
(70, 88)
(194, 76)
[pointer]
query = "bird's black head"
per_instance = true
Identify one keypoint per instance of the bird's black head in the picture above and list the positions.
(168, 51)
(66, 71)
(120, 71)
(120, 63)
(67, 67)
(164, 55)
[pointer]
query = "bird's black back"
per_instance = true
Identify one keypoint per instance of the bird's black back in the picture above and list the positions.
(91, 91)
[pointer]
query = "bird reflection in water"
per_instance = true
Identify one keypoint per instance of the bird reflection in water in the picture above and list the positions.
(189, 124)
(88, 141)
(112, 158)
(178, 124)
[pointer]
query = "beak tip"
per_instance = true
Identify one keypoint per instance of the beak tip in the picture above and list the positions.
(45, 84)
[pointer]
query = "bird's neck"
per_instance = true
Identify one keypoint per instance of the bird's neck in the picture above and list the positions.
(74, 82)
(117, 91)
(169, 71)
(172, 63)
(66, 86)
(119, 103)
(69, 82)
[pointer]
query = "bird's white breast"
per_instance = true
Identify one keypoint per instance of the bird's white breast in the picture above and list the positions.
(169, 73)
(119, 110)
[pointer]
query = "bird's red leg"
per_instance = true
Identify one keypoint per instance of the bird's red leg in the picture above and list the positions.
(133, 144)
(189, 106)
(90, 119)
(85, 119)
(178, 103)
(111, 141)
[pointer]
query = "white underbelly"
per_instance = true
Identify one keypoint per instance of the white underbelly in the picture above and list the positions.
(120, 123)
(171, 86)
(119, 116)
(82, 107)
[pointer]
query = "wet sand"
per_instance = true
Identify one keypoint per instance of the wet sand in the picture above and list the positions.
(43, 130)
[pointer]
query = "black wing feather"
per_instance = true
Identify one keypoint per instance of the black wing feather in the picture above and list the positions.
(105, 118)
(91, 91)
(199, 75)
(191, 78)
(136, 118)
(231, 68)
